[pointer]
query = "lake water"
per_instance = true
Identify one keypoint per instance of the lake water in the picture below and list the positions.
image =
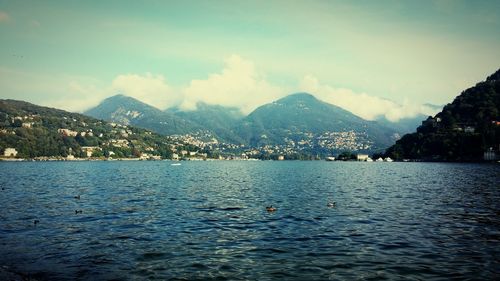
(208, 221)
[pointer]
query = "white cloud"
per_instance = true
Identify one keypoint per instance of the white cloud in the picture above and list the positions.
(238, 85)
(79, 93)
(4, 17)
(78, 96)
(362, 104)
(150, 88)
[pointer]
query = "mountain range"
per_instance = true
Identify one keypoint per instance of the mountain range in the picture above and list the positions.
(297, 118)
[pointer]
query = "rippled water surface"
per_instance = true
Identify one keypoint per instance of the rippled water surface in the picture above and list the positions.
(207, 220)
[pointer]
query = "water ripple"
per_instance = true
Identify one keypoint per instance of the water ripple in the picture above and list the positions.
(208, 221)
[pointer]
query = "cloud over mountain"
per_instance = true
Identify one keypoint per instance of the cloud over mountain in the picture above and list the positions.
(362, 104)
(239, 84)
(149, 88)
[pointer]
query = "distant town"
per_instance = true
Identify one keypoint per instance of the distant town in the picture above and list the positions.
(201, 146)
(296, 127)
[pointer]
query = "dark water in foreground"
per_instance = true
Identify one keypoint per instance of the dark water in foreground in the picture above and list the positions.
(207, 220)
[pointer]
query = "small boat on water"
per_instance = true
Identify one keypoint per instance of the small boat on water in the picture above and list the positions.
(369, 159)
(330, 158)
(175, 164)
(388, 159)
(379, 159)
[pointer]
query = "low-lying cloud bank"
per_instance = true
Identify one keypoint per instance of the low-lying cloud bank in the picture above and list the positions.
(150, 88)
(239, 84)
(362, 104)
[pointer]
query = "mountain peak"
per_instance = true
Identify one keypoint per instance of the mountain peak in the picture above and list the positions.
(121, 109)
(130, 111)
(121, 98)
(298, 96)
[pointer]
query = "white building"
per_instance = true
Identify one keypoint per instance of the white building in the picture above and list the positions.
(362, 157)
(88, 150)
(469, 129)
(10, 152)
(67, 132)
(490, 155)
(27, 125)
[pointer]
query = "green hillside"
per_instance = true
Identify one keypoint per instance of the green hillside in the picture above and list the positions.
(129, 111)
(36, 131)
(299, 115)
(462, 131)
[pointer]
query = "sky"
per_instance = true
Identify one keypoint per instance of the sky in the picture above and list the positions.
(376, 59)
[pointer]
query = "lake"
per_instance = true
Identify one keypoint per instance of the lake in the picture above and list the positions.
(208, 220)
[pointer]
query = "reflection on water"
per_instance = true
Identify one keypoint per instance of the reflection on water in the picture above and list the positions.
(207, 220)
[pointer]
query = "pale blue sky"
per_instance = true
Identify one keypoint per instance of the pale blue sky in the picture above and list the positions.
(71, 54)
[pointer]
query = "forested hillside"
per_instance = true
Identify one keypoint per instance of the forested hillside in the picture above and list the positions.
(462, 131)
(35, 131)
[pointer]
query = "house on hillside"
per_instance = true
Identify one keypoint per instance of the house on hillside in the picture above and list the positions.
(469, 129)
(88, 150)
(465, 127)
(67, 132)
(490, 155)
(430, 121)
(27, 125)
(10, 152)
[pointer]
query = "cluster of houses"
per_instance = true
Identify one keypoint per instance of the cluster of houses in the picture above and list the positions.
(184, 154)
(491, 154)
(435, 122)
(27, 121)
(348, 140)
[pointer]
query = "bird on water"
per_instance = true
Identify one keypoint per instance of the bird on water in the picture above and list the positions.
(271, 209)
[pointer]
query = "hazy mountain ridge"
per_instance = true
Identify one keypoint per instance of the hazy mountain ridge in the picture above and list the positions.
(301, 114)
(284, 120)
(220, 120)
(462, 131)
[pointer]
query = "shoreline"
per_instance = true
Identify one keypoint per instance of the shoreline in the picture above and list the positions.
(60, 159)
